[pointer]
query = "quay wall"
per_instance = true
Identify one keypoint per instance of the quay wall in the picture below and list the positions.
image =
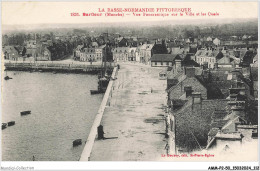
(55, 66)
(93, 132)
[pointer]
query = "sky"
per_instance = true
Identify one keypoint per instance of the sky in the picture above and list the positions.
(23, 13)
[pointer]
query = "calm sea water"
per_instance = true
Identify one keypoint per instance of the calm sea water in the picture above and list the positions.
(62, 110)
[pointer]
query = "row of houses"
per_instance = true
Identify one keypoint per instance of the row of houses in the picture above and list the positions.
(207, 57)
(38, 51)
(93, 53)
(142, 53)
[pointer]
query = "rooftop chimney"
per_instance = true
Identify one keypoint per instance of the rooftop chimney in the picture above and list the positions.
(177, 65)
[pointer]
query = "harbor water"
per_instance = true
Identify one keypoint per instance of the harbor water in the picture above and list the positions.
(62, 110)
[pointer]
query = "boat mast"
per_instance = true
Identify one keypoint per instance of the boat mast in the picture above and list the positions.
(106, 53)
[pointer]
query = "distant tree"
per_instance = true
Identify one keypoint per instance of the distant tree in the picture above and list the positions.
(188, 33)
(196, 31)
(164, 47)
(24, 51)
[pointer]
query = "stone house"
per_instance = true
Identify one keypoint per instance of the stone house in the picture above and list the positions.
(88, 54)
(10, 53)
(189, 122)
(46, 55)
(77, 52)
(99, 53)
(163, 60)
(120, 54)
(132, 54)
(207, 57)
(146, 53)
(187, 83)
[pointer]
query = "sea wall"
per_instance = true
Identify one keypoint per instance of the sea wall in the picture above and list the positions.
(57, 66)
(93, 132)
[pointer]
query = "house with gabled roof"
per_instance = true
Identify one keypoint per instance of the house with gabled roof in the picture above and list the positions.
(10, 53)
(77, 51)
(187, 83)
(120, 53)
(189, 121)
(145, 53)
(207, 56)
(163, 60)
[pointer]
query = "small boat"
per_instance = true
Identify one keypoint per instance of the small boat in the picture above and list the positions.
(11, 123)
(7, 78)
(4, 125)
(96, 92)
(113, 78)
(77, 142)
(26, 112)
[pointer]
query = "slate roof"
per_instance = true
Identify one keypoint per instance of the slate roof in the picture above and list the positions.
(121, 50)
(219, 114)
(189, 62)
(178, 103)
(254, 73)
(163, 58)
(218, 124)
(213, 132)
(249, 56)
(219, 55)
(193, 50)
(195, 118)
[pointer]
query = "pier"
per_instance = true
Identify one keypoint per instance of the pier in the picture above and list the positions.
(132, 114)
(57, 66)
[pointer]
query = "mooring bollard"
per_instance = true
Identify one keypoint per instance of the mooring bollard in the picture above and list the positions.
(100, 132)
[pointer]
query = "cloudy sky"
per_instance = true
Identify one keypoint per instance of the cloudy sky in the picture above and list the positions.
(16, 13)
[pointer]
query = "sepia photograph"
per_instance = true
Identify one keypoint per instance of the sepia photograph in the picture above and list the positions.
(129, 81)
